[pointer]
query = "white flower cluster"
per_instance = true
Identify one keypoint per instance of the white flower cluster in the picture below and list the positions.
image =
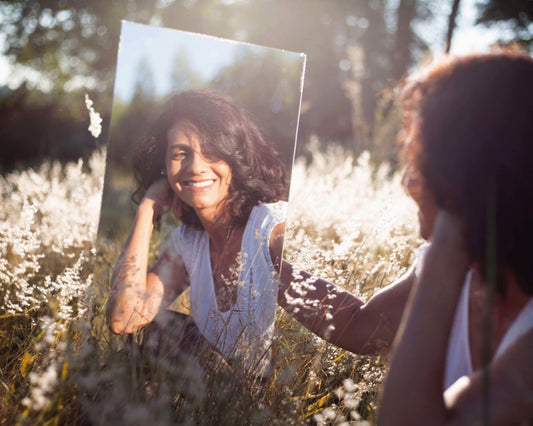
(43, 386)
(47, 230)
(95, 126)
(349, 221)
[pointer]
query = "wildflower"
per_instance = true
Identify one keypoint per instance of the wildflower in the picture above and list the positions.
(95, 126)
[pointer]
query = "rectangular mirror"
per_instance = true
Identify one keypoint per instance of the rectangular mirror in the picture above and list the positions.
(202, 136)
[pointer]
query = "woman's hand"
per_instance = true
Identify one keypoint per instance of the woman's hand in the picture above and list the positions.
(510, 389)
(420, 349)
(159, 193)
(448, 229)
(158, 197)
(137, 294)
(448, 243)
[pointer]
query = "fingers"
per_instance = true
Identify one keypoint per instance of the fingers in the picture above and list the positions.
(448, 227)
(160, 193)
(449, 241)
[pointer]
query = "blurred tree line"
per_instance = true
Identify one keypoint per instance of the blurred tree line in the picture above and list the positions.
(355, 51)
(265, 81)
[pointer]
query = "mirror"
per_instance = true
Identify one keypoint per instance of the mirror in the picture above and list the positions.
(227, 113)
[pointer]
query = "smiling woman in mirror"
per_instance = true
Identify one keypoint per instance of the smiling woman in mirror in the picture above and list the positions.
(208, 161)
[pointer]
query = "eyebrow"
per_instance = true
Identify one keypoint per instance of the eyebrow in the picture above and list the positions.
(178, 146)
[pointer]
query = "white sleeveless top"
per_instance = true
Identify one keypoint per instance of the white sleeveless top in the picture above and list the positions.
(458, 357)
(245, 332)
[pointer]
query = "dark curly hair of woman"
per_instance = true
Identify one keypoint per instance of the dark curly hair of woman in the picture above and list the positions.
(228, 133)
(470, 139)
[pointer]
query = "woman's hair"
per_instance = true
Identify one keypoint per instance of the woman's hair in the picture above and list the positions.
(227, 133)
(469, 122)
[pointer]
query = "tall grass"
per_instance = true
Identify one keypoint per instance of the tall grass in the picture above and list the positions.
(350, 223)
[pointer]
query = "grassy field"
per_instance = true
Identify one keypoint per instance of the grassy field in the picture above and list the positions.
(350, 223)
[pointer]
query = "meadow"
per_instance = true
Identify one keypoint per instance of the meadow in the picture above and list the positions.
(350, 222)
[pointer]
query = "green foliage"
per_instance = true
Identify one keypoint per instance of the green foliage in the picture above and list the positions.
(69, 39)
(66, 38)
(517, 13)
(267, 84)
(34, 126)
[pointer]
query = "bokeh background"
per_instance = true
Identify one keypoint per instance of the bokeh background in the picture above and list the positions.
(350, 221)
(54, 51)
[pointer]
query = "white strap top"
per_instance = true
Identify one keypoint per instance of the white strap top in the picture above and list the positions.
(245, 331)
(458, 357)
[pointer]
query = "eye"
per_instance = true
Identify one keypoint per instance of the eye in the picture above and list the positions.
(178, 155)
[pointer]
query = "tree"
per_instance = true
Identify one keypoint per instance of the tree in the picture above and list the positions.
(67, 38)
(517, 13)
(404, 38)
(260, 81)
(183, 76)
(451, 24)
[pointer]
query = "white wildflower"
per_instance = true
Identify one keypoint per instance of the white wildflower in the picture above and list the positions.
(95, 126)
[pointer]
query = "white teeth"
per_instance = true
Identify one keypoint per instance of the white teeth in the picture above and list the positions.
(200, 184)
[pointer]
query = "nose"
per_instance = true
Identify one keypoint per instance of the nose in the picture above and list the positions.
(197, 163)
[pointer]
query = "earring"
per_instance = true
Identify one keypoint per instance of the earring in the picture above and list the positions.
(163, 172)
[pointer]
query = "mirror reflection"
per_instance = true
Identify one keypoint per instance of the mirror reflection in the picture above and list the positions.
(202, 142)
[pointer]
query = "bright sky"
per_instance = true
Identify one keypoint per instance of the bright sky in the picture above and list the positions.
(158, 47)
(468, 38)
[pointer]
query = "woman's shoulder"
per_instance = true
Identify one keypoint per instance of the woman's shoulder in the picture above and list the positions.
(276, 210)
(186, 236)
(420, 256)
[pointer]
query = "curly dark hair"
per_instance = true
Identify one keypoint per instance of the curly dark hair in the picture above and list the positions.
(469, 121)
(227, 132)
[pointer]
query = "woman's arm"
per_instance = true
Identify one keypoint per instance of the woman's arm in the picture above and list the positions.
(412, 393)
(337, 315)
(137, 295)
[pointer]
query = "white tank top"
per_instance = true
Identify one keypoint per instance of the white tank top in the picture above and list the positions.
(244, 332)
(458, 357)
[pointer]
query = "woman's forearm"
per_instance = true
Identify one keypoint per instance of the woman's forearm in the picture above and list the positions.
(129, 304)
(340, 317)
(413, 390)
(314, 302)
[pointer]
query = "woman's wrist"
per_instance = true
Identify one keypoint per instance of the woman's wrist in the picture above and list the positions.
(448, 240)
(148, 210)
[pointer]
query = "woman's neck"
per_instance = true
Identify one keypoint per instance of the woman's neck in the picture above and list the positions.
(218, 225)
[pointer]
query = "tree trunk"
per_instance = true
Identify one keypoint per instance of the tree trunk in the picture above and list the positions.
(404, 38)
(451, 24)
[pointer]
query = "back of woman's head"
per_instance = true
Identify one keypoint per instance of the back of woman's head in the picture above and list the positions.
(470, 130)
(227, 132)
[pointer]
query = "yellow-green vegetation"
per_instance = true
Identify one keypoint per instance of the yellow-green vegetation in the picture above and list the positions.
(350, 223)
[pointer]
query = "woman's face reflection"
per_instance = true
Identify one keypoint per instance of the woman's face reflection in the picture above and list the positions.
(201, 183)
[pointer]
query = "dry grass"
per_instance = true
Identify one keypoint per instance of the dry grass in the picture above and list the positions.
(349, 223)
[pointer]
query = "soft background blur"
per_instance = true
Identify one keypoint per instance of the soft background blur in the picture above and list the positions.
(54, 51)
(155, 63)
(350, 221)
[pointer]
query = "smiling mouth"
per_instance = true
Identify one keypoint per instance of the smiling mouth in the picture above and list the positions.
(201, 184)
